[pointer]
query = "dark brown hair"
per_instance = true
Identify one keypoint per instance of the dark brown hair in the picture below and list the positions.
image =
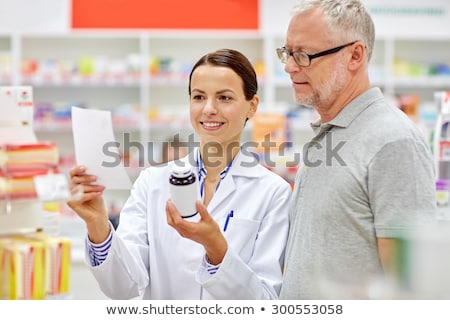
(237, 62)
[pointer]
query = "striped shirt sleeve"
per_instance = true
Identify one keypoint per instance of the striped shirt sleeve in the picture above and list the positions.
(98, 251)
(212, 269)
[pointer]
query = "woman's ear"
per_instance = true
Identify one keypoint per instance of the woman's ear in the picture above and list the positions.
(253, 107)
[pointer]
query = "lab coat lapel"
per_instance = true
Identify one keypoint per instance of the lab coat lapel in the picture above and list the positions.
(226, 188)
(243, 165)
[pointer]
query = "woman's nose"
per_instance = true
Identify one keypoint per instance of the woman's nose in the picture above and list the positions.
(209, 107)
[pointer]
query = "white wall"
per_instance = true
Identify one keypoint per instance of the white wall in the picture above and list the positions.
(34, 15)
(393, 18)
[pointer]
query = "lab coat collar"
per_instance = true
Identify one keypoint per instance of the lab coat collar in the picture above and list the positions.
(244, 164)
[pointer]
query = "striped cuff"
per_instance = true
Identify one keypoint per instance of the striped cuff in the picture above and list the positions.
(98, 251)
(212, 269)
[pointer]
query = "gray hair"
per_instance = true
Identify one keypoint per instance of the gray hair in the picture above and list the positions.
(347, 20)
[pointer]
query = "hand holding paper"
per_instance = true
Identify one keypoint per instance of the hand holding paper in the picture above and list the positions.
(92, 131)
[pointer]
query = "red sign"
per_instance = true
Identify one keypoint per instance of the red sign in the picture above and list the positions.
(160, 14)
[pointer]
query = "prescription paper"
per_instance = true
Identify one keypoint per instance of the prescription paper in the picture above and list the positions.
(93, 135)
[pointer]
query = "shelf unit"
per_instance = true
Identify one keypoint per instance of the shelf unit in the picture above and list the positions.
(413, 66)
(34, 259)
(398, 65)
(123, 77)
(126, 82)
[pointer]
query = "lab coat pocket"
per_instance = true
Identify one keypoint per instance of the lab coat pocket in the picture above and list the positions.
(241, 235)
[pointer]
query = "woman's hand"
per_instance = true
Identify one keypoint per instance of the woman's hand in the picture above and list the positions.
(91, 207)
(206, 231)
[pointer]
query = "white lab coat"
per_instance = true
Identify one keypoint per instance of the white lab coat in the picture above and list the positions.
(149, 258)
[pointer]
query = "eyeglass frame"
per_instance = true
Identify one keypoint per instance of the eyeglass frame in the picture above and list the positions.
(310, 56)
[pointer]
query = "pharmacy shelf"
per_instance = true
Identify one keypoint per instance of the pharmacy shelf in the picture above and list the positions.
(142, 75)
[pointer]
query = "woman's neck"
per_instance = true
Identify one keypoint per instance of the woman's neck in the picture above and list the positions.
(216, 157)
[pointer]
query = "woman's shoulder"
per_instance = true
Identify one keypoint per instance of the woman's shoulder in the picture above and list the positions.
(269, 174)
(251, 168)
(155, 172)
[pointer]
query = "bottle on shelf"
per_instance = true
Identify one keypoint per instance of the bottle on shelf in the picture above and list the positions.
(441, 137)
(441, 151)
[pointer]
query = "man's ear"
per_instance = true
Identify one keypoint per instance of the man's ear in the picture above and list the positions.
(359, 55)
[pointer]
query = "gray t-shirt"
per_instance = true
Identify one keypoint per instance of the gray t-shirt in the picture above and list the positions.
(367, 174)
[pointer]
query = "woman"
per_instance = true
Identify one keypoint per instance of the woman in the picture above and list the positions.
(234, 247)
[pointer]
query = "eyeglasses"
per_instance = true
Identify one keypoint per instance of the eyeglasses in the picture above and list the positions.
(302, 58)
